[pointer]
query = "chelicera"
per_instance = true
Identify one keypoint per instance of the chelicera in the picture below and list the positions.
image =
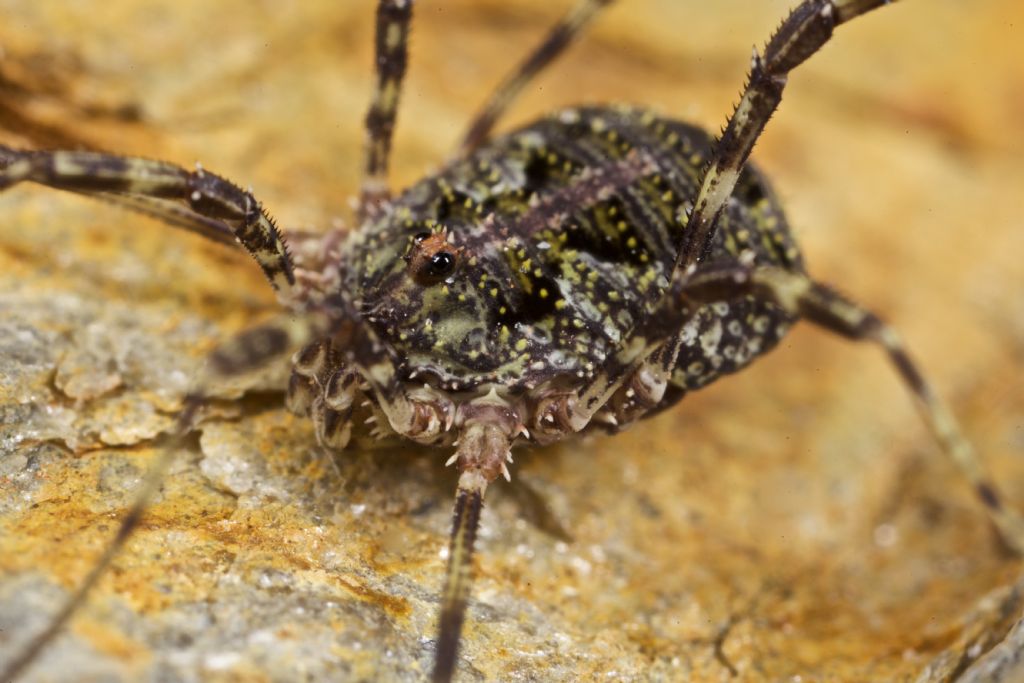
(578, 274)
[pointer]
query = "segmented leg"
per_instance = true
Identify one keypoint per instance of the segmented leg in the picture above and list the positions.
(172, 214)
(798, 295)
(323, 387)
(557, 40)
(483, 450)
(150, 484)
(327, 374)
(250, 350)
(802, 34)
(392, 47)
(642, 393)
(418, 413)
(563, 413)
(150, 186)
(469, 502)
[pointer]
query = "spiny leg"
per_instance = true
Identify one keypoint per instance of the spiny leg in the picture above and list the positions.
(138, 181)
(482, 452)
(803, 33)
(324, 387)
(564, 412)
(641, 394)
(248, 351)
(557, 40)
(421, 415)
(798, 295)
(392, 48)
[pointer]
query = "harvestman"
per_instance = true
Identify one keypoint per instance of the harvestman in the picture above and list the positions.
(580, 273)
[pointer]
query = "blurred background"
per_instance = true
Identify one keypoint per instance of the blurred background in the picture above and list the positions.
(794, 521)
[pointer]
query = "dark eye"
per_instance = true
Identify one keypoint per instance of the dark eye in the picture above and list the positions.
(432, 258)
(441, 264)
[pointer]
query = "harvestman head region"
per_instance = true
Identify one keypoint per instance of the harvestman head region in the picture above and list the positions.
(557, 283)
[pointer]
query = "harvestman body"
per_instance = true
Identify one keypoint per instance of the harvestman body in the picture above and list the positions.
(581, 273)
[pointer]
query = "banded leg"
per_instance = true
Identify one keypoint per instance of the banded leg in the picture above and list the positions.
(469, 502)
(483, 450)
(557, 40)
(323, 387)
(250, 350)
(800, 296)
(803, 33)
(150, 484)
(392, 48)
(174, 215)
(152, 186)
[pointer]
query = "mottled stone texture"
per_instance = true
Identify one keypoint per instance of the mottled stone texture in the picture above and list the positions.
(792, 523)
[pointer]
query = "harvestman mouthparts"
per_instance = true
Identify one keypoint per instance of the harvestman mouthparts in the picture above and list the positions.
(578, 274)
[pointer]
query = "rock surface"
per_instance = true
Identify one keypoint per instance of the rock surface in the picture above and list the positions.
(795, 522)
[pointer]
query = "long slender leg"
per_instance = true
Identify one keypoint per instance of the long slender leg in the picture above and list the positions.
(154, 476)
(483, 450)
(469, 502)
(558, 39)
(392, 48)
(799, 295)
(140, 180)
(248, 351)
(802, 34)
(174, 215)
